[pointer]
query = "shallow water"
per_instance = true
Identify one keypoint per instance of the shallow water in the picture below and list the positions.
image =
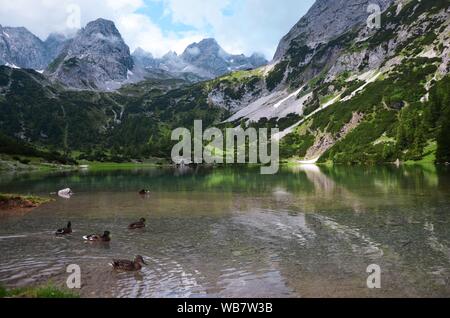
(306, 232)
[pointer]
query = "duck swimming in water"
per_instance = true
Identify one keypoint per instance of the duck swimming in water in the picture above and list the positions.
(65, 230)
(106, 237)
(137, 225)
(129, 266)
(144, 192)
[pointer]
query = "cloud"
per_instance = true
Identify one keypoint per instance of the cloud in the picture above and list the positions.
(240, 26)
(140, 31)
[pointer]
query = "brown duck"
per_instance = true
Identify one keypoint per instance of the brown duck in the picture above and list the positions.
(129, 266)
(65, 230)
(106, 237)
(138, 225)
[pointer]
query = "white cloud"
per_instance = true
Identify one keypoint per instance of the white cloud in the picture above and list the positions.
(250, 25)
(140, 31)
(255, 25)
(197, 13)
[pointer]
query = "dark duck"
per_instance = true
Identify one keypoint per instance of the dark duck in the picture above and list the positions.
(65, 231)
(106, 237)
(138, 225)
(129, 266)
(144, 192)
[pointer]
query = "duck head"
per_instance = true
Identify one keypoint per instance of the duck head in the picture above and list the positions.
(142, 220)
(107, 234)
(69, 225)
(140, 260)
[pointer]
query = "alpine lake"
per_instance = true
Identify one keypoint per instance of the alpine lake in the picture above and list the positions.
(308, 231)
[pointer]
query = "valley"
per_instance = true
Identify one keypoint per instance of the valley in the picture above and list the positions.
(361, 179)
(394, 80)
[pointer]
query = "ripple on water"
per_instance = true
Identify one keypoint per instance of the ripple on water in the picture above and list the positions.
(238, 234)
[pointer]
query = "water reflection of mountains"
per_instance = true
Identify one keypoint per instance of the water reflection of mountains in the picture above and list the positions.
(307, 179)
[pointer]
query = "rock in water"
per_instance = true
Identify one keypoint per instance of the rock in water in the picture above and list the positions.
(65, 193)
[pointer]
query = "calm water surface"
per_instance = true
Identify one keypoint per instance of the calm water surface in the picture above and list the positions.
(306, 232)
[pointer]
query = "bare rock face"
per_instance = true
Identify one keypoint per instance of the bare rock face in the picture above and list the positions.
(20, 48)
(325, 20)
(55, 44)
(97, 58)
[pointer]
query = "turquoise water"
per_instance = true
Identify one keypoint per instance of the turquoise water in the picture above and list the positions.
(305, 232)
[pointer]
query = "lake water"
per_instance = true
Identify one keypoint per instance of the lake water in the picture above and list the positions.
(305, 232)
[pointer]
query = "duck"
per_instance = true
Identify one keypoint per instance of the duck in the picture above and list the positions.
(138, 225)
(129, 266)
(65, 230)
(106, 237)
(144, 192)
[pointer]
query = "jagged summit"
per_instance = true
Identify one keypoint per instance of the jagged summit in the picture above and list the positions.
(206, 59)
(21, 48)
(96, 58)
(325, 20)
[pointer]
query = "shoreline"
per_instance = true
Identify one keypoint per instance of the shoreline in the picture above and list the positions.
(16, 202)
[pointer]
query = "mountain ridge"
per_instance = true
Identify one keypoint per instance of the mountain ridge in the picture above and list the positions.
(21, 48)
(324, 21)
(96, 58)
(76, 62)
(365, 96)
(206, 59)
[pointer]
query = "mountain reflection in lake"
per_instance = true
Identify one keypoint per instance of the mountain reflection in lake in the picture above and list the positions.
(305, 232)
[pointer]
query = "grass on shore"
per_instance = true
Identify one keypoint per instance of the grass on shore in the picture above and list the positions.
(10, 200)
(46, 291)
(26, 163)
(96, 166)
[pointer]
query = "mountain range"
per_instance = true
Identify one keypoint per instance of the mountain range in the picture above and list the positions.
(206, 59)
(339, 91)
(98, 58)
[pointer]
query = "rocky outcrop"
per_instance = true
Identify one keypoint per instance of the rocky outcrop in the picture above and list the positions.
(326, 141)
(97, 58)
(21, 48)
(325, 21)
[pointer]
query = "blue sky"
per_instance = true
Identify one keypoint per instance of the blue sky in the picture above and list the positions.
(158, 26)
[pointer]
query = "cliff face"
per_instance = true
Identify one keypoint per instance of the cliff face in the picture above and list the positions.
(96, 58)
(325, 20)
(21, 48)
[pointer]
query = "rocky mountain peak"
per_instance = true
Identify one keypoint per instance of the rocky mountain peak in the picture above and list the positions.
(21, 48)
(96, 58)
(325, 20)
(207, 48)
(208, 56)
(103, 27)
